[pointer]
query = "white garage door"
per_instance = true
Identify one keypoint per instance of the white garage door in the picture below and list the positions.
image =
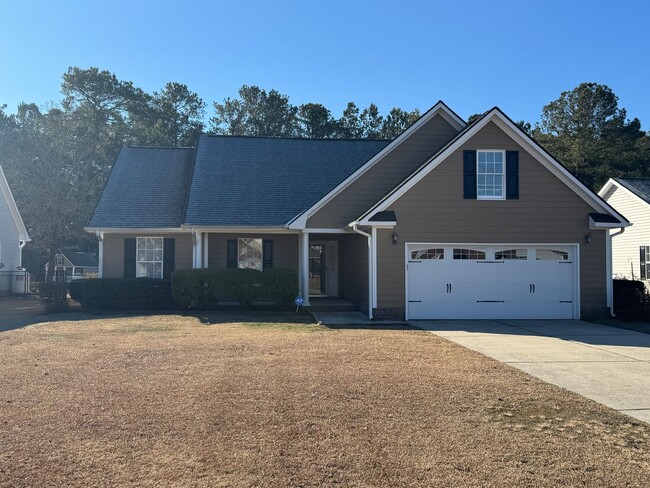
(518, 281)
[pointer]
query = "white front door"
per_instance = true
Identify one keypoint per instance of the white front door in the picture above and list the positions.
(512, 281)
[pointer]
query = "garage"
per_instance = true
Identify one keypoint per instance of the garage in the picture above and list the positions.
(506, 281)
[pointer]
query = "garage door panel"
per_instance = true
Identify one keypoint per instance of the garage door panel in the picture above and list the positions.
(533, 282)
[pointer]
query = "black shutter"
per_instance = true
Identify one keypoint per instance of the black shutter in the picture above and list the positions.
(169, 258)
(232, 253)
(267, 254)
(129, 258)
(642, 259)
(469, 175)
(512, 175)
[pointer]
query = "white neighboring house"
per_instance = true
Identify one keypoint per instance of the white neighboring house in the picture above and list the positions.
(631, 249)
(13, 236)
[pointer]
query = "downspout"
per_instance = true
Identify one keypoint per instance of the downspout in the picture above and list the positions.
(21, 244)
(370, 258)
(610, 276)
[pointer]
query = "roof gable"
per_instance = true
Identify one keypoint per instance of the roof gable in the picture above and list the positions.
(265, 181)
(640, 187)
(5, 191)
(502, 121)
(440, 108)
(83, 259)
(147, 188)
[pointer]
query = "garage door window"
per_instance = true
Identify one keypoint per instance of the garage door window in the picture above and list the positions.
(551, 255)
(511, 254)
(433, 253)
(468, 254)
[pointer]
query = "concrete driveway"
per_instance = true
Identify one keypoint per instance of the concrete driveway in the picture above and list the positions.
(606, 364)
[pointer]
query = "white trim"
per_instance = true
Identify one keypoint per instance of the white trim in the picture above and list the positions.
(370, 275)
(240, 230)
(374, 268)
(612, 182)
(327, 231)
(13, 208)
(576, 264)
(138, 230)
(593, 225)
(503, 174)
(379, 225)
(197, 250)
(300, 220)
(496, 116)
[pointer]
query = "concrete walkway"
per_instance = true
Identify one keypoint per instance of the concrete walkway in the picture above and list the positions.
(606, 364)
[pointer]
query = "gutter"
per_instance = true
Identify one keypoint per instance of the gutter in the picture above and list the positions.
(609, 269)
(354, 227)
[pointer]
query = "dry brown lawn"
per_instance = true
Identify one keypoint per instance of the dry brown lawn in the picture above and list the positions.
(175, 400)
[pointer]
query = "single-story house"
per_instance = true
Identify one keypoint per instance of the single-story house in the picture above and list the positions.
(448, 220)
(631, 248)
(74, 265)
(13, 237)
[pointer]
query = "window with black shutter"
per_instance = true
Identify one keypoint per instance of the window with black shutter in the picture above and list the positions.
(129, 258)
(169, 258)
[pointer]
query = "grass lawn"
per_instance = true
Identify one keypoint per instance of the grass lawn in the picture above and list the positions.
(176, 400)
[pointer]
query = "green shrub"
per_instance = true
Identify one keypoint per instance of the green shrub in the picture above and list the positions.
(74, 290)
(280, 286)
(128, 294)
(207, 289)
(54, 296)
(631, 299)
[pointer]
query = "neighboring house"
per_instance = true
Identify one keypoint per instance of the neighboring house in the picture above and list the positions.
(13, 236)
(69, 265)
(630, 249)
(448, 220)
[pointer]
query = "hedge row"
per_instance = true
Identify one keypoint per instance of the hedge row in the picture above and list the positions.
(208, 289)
(127, 294)
(53, 296)
(196, 288)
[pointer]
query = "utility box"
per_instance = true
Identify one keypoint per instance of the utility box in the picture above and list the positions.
(20, 282)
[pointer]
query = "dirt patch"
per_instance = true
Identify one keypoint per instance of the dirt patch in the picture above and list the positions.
(180, 400)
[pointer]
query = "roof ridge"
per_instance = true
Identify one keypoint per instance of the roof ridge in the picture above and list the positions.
(294, 138)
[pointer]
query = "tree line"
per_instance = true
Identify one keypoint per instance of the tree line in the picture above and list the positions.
(57, 158)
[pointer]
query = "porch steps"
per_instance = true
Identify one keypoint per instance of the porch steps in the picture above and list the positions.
(331, 305)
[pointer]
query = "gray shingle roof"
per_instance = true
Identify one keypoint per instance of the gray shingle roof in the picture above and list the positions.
(147, 188)
(263, 181)
(639, 186)
(88, 259)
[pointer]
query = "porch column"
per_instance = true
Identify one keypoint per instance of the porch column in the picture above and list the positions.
(100, 257)
(303, 266)
(205, 249)
(198, 250)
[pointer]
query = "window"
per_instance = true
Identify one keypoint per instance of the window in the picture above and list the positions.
(149, 256)
(644, 255)
(59, 261)
(249, 254)
(551, 255)
(512, 254)
(428, 254)
(468, 254)
(489, 175)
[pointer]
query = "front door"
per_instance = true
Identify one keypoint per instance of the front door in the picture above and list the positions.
(317, 269)
(323, 269)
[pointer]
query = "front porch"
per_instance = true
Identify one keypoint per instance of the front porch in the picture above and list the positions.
(332, 267)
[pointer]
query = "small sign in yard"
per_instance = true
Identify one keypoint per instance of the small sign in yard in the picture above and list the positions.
(299, 301)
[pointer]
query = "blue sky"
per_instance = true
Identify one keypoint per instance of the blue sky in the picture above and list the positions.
(518, 55)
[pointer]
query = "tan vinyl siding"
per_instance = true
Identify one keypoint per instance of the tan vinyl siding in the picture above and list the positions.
(381, 178)
(353, 267)
(114, 252)
(285, 249)
(547, 211)
(625, 247)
